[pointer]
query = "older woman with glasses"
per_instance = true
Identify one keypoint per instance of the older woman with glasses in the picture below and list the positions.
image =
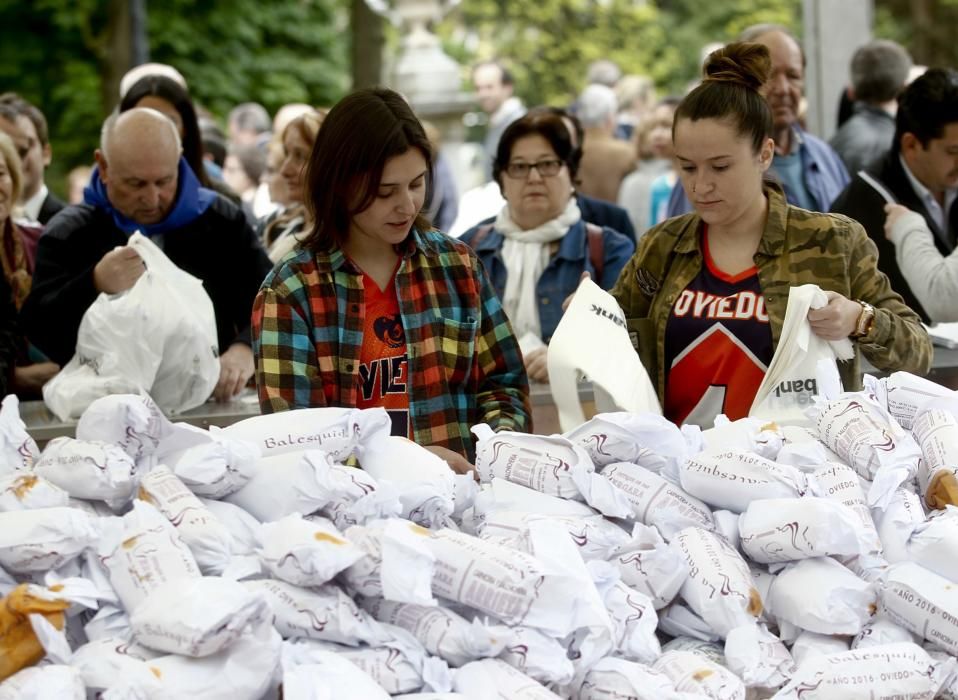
(539, 247)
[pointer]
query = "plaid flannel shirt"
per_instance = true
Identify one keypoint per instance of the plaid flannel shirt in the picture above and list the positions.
(465, 366)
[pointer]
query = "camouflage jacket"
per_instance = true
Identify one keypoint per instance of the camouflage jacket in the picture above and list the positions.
(798, 247)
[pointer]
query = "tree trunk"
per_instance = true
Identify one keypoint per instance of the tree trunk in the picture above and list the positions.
(116, 53)
(368, 37)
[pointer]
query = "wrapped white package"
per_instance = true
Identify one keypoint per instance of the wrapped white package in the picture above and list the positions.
(365, 576)
(936, 431)
(922, 602)
(644, 439)
(880, 630)
(635, 620)
(731, 479)
(656, 501)
(719, 587)
(507, 496)
(896, 523)
(902, 394)
(207, 538)
(45, 538)
(97, 471)
(426, 483)
(494, 679)
(430, 696)
(535, 654)
(102, 661)
(22, 490)
(282, 484)
(811, 645)
(441, 631)
(244, 670)
(949, 689)
(110, 622)
(758, 657)
(617, 678)
(821, 595)
(934, 543)
(310, 673)
(243, 530)
(304, 552)
(764, 438)
(693, 672)
(802, 449)
(197, 616)
(141, 551)
(212, 465)
(44, 683)
(596, 537)
(869, 440)
(726, 525)
(678, 620)
(840, 483)
(887, 672)
(354, 497)
(324, 613)
(650, 566)
(18, 450)
(787, 529)
(133, 422)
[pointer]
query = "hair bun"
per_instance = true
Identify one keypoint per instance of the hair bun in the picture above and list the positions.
(741, 63)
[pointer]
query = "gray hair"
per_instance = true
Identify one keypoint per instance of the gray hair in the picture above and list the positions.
(879, 71)
(251, 116)
(603, 72)
(109, 125)
(596, 105)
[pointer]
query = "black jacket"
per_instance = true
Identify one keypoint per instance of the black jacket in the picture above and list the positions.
(218, 247)
(51, 205)
(861, 202)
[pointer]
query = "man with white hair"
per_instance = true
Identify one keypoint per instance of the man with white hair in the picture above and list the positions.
(606, 160)
(142, 183)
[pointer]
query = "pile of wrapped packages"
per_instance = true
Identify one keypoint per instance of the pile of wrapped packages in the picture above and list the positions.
(312, 555)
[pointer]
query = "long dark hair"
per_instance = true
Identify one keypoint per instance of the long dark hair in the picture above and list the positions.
(171, 91)
(360, 133)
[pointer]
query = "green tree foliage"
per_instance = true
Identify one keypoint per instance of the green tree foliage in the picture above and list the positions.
(925, 27)
(63, 55)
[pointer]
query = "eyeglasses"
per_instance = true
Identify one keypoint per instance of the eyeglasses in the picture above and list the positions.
(546, 168)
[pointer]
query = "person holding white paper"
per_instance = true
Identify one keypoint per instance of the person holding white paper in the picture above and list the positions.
(705, 295)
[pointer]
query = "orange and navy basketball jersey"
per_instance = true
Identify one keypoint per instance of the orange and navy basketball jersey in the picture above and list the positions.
(718, 345)
(384, 363)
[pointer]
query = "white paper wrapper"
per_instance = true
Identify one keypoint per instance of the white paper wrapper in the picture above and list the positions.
(650, 566)
(934, 543)
(141, 551)
(635, 620)
(758, 657)
(365, 576)
(305, 553)
(870, 441)
(811, 645)
(678, 620)
(840, 483)
(726, 525)
(310, 673)
(493, 679)
(426, 484)
(902, 394)
(93, 470)
(282, 484)
(656, 501)
(897, 522)
(691, 672)
(23, 490)
(132, 422)
(764, 438)
(879, 631)
(503, 495)
(17, 449)
(732, 480)
(596, 537)
(110, 622)
(719, 587)
(788, 529)
(647, 439)
(325, 613)
(197, 616)
(33, 541)
(442, 632)
(101, 662)
(44, 683)
(922, 602)
(353, 496)
(534, 654)
(207, 538)
(617, 678)
(821, 595)
(886, 672)
(936, 431)
(949, 689)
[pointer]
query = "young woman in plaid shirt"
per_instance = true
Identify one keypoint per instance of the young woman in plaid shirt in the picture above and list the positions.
(377, 309)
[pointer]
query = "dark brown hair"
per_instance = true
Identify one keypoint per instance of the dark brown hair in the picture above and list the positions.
(360, 133)
(544, 123)
(730, 91)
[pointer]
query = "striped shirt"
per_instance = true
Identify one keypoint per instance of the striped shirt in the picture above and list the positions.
(464, 361)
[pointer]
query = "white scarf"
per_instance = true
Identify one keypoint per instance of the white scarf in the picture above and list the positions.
(526, 254)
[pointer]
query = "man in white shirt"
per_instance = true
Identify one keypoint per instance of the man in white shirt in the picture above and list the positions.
(920, 172)
(494, 86)
(27, 127)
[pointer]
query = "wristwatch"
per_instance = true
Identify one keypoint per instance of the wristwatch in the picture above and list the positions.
(866, 320)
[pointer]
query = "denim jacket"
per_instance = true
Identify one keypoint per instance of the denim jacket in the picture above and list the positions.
(561, 276)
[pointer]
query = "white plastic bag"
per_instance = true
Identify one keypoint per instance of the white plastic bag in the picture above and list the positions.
(791, 380)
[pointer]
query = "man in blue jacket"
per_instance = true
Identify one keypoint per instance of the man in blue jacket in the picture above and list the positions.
(810, 171)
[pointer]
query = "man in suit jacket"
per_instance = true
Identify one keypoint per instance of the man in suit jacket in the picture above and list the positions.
(920, 171)
(27, 126)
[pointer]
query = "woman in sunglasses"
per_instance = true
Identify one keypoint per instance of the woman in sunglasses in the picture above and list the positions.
(539, 246)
